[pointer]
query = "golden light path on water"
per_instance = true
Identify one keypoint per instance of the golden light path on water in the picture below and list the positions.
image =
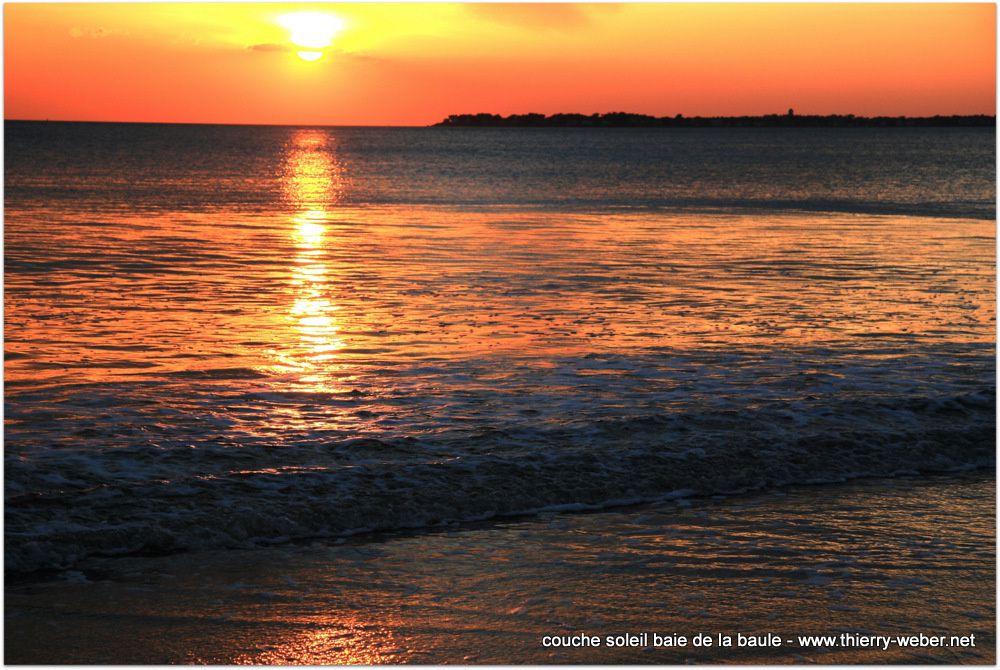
(312, 184)
(286, 294)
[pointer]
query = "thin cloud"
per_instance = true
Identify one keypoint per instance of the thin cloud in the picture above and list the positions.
(557, 16)
(76, 32)
(358, 56)
(270, 47)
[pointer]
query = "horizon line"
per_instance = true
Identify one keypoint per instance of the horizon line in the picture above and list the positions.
(439, 123)
(220, 123)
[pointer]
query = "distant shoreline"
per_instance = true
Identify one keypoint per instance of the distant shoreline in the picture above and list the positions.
(611, 120)
(789, 120)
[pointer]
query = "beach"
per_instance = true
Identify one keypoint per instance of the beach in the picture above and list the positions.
(898, 557)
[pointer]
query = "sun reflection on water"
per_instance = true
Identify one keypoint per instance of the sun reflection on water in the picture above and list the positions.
(313, 182)
(333, 640)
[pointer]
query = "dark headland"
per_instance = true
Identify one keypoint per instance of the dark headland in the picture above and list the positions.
(788, 120)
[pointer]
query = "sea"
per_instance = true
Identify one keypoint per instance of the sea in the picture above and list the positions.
(227, 337)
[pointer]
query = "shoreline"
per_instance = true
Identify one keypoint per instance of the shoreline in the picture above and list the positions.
(630, 499)
(615, 120)
(787, 120)
(889, 556)
(682, 497)
(847, 392)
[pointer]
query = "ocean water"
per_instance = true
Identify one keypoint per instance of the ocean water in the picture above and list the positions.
(225, 337)
(896, 557)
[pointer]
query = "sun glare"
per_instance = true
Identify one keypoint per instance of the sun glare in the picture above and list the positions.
(312, 30)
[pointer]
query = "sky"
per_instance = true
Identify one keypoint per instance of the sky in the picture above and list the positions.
(414, 64)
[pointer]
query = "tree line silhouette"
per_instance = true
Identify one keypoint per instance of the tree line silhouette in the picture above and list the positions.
(788, 120)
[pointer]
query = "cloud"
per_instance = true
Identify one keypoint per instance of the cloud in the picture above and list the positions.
(271, 47)
(559, 16)
(354, 56)
(77, 32)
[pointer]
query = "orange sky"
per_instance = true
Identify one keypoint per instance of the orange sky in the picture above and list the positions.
(413, 64)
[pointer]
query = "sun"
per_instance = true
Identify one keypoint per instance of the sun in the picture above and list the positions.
(313, 31)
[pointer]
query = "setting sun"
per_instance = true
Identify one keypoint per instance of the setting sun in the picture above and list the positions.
(313, 30)
(246, 62)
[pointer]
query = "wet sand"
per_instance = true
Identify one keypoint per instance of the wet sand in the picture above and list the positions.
(876, 557)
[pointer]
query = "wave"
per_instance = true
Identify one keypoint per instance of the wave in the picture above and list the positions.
(172, 501)
(100, 203)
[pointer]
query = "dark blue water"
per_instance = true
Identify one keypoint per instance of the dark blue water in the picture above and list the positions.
(943, 171)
